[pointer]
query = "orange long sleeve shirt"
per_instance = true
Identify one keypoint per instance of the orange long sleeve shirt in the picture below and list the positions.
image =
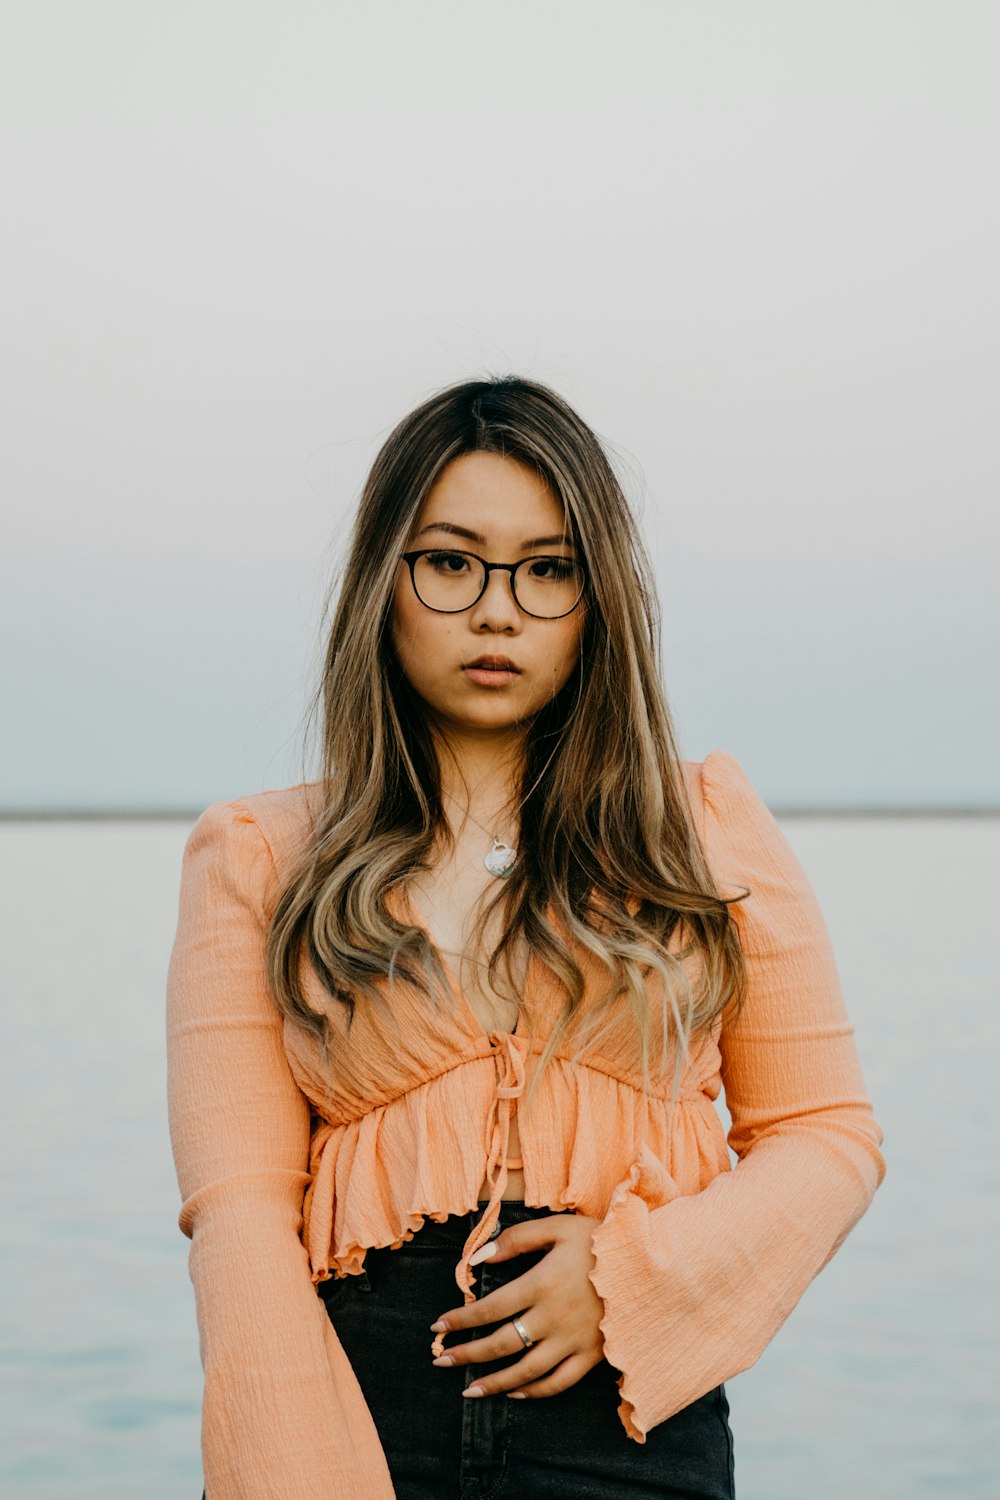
(289, 1173)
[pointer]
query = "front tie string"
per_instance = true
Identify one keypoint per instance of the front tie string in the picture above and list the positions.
(508, 1054)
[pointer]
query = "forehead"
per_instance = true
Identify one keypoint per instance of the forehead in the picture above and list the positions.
(497, 497)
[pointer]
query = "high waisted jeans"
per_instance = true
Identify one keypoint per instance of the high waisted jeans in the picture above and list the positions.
(441, 1445)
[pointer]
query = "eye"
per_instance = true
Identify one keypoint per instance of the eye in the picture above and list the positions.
(552, 569)
(452, 563)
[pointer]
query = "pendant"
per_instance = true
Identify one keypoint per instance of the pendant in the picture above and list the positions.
(501, 859)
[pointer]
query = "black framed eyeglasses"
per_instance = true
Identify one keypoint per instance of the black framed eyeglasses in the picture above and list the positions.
(449, 581)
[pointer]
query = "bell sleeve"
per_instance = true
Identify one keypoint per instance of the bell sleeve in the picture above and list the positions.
(283, 1415)
(695, 1287)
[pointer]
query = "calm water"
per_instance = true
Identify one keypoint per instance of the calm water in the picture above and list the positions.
(882, 1383)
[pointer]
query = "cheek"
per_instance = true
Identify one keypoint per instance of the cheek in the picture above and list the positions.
(573, 645)
(406, 622)
(420, 639)
(565, 655)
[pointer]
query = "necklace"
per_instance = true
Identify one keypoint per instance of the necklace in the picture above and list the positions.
(500, 860)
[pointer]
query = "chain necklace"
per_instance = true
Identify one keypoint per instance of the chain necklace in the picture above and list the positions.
(500, 860)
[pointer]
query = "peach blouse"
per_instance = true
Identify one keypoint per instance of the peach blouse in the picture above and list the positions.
(289, 1173)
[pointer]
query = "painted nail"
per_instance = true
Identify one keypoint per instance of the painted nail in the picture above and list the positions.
(439, 1327)
(515, 1395)
(473, 1390)
(483, 1253)
(443, 1359)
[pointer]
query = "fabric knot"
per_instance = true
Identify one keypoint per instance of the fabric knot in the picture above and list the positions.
(508, 1054)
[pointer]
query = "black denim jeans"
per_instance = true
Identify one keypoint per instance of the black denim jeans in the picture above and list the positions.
(440, 1445)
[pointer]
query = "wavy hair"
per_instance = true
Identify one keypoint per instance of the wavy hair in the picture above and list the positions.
(614, 849)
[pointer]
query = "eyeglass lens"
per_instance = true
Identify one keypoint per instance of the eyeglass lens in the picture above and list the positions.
(544, 586)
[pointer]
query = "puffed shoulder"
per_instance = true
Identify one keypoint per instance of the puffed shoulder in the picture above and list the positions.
(284, 818)
(741, 833)
(227, 855)
(228, 827)
(747, 850)
(729, 794)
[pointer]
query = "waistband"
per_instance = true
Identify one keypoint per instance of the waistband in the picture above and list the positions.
(454, 1231)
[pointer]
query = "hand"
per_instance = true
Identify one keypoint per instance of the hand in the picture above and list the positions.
(556, 1303)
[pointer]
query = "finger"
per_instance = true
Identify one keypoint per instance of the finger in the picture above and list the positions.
(521, 1239)
(504, 1341)
(559, 1378)
(502, 1303)
(532, 1367)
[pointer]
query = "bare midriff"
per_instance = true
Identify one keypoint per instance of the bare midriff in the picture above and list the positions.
(514, 1186)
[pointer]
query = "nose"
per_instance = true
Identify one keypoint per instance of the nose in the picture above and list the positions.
(497, 609)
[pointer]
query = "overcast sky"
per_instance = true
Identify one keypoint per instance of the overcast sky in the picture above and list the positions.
(755, 245)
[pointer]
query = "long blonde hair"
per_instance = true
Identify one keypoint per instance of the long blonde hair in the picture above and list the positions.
(614, 846)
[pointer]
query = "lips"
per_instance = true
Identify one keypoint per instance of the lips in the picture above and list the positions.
(493, 664)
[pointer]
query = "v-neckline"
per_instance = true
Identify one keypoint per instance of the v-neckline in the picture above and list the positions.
(417, 917)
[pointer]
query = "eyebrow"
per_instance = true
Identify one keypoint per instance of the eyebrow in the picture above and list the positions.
(473, 536)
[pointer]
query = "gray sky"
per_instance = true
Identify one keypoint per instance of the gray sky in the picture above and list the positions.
(755, 245)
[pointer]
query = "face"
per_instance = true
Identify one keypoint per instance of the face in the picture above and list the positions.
(501, 510)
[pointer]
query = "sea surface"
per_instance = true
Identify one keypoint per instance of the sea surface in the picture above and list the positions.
(882, 1384)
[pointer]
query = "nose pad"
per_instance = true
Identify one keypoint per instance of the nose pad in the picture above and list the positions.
(488, 601)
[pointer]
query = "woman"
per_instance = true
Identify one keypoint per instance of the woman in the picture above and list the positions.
(446, 1025)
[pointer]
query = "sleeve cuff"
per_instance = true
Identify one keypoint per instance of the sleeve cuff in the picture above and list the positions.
(626, 1225)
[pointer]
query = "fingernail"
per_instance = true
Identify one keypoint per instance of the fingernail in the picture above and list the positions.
(483, 1253)
(515, 1395)
(439, 1327)
(443, 1359)
(473, 1390)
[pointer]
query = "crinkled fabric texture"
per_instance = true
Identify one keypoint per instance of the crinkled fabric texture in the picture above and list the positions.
(288, 1175)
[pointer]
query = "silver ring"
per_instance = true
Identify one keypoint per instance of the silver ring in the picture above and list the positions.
(526, 1341)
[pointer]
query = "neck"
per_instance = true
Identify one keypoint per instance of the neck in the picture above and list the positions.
(483, 776)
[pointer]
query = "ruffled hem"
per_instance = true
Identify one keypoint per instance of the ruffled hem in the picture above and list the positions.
(648, 1185)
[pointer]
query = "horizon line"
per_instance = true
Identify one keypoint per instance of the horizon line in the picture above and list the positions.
(801, 810)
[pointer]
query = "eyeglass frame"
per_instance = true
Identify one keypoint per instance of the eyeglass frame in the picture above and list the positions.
(410, 558)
